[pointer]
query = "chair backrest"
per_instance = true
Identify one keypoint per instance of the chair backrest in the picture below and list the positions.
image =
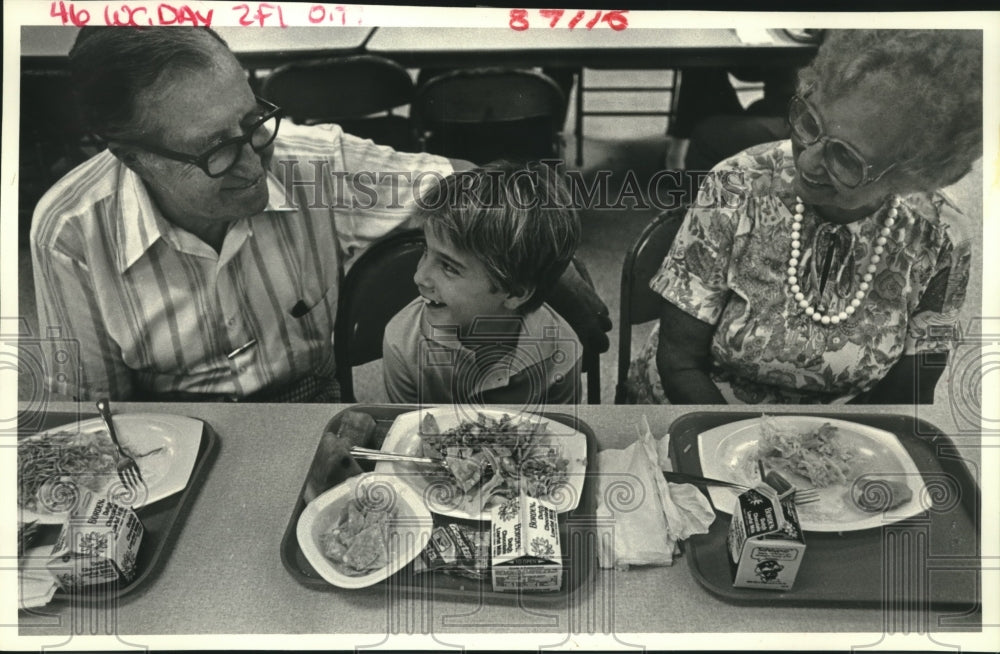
(332, 90)
(483, 114)
(52, 134)
(377, 286)
(564, 300)
(48, 105)
(639, 303)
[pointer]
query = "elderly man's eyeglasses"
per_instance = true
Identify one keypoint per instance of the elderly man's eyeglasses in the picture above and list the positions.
(221, 157)
(842, 160)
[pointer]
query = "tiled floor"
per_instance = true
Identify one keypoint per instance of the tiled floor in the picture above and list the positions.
(617, 145)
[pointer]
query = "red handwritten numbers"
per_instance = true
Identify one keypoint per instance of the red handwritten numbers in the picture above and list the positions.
(68, 14)
(519, 19)
(266, 14)
(616, 20)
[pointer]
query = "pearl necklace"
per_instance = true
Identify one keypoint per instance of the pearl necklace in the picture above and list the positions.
(794, 271)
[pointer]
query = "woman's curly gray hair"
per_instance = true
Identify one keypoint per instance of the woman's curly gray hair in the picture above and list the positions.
(931, 76)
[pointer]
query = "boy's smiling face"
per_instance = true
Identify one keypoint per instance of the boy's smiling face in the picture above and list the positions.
(456, 287)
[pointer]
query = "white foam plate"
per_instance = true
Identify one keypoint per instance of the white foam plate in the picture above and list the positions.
(409, 531)
(404, 438)
(729, 452)
(164, 472)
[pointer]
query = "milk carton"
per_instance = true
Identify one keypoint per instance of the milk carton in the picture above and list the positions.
(765, 542)
(524, 546)
(98, 543)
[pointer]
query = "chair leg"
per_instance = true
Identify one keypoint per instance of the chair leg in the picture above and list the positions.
(675, 84)
(594, 379)
(578, 128)
(345, 378)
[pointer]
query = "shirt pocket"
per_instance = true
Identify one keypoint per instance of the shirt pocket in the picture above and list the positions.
(316, 301)
(310, 322)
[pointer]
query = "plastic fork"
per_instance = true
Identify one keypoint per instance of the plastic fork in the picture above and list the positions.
(777, 481)
(685, 478)
(367, 454)
(128, 470)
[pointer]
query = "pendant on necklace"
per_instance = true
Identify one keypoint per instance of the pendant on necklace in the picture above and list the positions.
(821, 312)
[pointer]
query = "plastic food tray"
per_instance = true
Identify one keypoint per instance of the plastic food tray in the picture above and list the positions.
(930, 560)
(162, 520)
(577, 536)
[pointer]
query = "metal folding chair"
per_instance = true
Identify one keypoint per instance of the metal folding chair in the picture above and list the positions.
(484, 114)
(639, 304)
(358, 92)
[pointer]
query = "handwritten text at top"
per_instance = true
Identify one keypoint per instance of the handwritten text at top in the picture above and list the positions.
(521, 19)
(276, 14)
(260, 14)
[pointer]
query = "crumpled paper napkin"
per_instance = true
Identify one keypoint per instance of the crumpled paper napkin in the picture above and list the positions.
(36, 585)
(644, 515)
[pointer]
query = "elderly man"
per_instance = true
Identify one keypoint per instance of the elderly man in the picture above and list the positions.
(199, 256)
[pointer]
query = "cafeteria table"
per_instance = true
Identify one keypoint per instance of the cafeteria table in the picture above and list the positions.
(224, 574)
(46, 47)
(635, 48)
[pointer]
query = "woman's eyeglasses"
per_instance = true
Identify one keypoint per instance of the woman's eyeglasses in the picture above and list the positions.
(221, 157)
(842, 160)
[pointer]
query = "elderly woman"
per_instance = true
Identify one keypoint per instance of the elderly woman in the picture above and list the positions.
(829, 268)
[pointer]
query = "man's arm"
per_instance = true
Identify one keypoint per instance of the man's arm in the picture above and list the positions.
(80, 359)
(382, 198)
(458, 165)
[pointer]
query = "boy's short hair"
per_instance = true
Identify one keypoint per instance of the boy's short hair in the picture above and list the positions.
(518, 220)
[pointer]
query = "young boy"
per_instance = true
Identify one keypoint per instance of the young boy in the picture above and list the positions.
(498, 238)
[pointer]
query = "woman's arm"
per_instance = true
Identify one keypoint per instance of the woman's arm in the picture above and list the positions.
(683, 358)
(911, 381)
(930, 334)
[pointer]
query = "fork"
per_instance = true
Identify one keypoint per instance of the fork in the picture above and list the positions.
(686, 478)
(777, 481)
(128, 470)
(367, 454)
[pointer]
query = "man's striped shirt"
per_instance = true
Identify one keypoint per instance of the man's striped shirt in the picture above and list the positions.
(150, 309)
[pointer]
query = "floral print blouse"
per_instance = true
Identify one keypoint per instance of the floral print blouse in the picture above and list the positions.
(729, 267)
